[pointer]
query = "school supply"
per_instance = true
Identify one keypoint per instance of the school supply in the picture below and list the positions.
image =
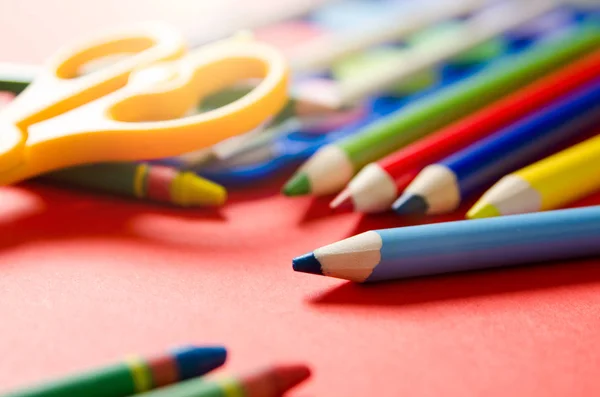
(131, 110)
(377, 185)
(471, 33)
(425, 250)
(132, 376)
(333, 166)
(441, 187)
(269, 382)
(146, 181)
(548, 184)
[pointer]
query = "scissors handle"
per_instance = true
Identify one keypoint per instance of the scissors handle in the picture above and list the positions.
(143, 120)
(60, 87)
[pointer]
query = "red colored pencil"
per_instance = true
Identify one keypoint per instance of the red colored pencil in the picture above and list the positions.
(376, 186)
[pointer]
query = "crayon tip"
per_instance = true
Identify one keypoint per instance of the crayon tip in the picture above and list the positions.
(483, 210)
(409, 204)
(307, 263)
(299, 185)
(189, 189)
(342, 201)
(195, 361)
(288, 376)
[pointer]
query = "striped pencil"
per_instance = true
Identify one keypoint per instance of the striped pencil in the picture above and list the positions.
(270, 382)
(332, 167)
(441, 187)
(548, 184)
(424, 250)
(154, 182)
(376, 186)
(133, 376)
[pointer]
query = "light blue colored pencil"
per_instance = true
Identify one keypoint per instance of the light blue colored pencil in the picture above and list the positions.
(390, 254)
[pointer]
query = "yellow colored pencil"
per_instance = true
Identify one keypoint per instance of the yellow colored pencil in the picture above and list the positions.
(548, 184)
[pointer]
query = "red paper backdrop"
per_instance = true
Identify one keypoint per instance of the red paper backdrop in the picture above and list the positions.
(120, 276)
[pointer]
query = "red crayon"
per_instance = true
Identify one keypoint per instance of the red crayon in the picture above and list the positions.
(274, 381)
(376, 187)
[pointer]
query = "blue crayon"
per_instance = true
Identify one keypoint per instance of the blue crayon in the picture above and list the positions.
(424, 250)
(441, 187)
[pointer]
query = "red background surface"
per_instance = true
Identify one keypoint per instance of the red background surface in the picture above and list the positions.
(120, 276)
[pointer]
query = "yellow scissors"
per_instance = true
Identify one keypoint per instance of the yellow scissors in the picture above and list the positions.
(134, 109)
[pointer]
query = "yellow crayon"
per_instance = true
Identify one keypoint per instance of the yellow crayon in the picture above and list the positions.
(144, 181)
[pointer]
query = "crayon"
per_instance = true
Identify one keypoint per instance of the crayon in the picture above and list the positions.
(548, 184)
(389, 254)
(145, 181)
(333, 166)
(132, 376)
(269, 382)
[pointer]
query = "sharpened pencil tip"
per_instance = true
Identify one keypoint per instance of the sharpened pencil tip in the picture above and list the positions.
(409, 204)
(483, 210)
(299, 185)
(307, 263)
(342, 202)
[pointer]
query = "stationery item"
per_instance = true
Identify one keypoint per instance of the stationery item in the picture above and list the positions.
(155, 182)
(424, 250)
(334, 165)
(377, 185)
(410, 17)
(439, 34)
(369, 62)
(131, 110)
(270, 382)
(473, 32)
(134, 375)
(546, 185)
(441, 187)
(16, 77)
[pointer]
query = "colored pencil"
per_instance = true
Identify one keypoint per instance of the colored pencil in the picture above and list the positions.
(441, 187)
(376, 186)
(423, 250)
(132, 376)
(320, 54)
(546, 185)
(145, 181)
(270, 382)
(470, 34)
(332, 167)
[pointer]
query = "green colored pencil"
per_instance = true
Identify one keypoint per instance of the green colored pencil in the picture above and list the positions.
(328, 170)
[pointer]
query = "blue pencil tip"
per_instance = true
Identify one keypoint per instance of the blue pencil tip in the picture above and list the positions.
(409, 204)
(307, 263)
(195, 361)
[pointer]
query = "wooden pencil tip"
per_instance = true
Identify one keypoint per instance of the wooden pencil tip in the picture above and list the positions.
(342, 202)
(299, 185)
(483, 210)
(409, 204)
